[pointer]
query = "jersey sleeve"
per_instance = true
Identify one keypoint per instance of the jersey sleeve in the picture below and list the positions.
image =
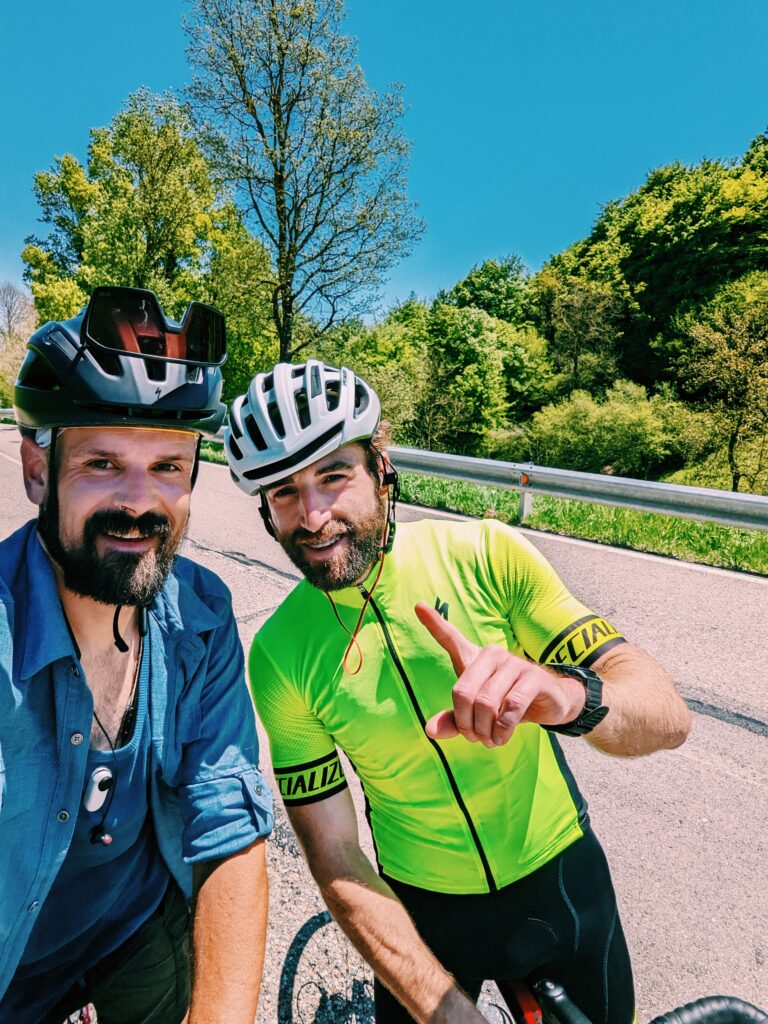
(550, 623)
(304, 756)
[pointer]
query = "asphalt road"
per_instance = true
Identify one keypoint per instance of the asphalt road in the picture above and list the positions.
(684, 830)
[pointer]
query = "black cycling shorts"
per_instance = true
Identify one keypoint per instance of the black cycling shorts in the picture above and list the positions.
(561, 923)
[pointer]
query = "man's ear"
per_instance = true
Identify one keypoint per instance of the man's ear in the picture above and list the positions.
(34, 462)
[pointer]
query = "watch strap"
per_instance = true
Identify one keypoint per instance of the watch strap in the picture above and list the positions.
(593, 712)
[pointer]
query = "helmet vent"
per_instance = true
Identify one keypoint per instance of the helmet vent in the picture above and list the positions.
(315, 385)
(234, 426)
(155, 369)
(37, 372)
(107, 361)
(333, 395)
(302, 409)
(252, 430)
(276, 418)
(235, 449)
(361, 400)
(267, 383)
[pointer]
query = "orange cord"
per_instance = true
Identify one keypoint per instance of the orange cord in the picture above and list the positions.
(353, 635)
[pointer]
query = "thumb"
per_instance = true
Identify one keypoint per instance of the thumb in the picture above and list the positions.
(441, 726)
(452, 640)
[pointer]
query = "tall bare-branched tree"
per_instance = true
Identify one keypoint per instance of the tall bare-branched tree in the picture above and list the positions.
(17, 314)
(17, 321)
(318, 158)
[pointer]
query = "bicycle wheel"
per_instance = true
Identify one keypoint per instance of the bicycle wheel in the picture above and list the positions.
(324, 980)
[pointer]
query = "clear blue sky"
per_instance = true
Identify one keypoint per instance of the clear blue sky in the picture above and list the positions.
(525, 116)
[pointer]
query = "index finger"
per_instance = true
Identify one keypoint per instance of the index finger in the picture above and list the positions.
(461, 651)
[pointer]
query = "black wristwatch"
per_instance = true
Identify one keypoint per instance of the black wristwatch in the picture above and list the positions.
(593, 712)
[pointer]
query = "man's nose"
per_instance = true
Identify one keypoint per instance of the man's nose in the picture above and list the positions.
(136, 491)
(314, 512)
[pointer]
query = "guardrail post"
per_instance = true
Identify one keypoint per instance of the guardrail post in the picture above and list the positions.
(526, 504)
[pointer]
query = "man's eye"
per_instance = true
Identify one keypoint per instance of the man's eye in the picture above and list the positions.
(168, 467)
(282, 492)
(332, 478)
(99, 464)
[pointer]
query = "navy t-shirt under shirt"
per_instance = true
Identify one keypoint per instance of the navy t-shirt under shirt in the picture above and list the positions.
(102, 893)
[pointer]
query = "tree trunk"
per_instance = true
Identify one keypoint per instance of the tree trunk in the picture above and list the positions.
(733, 440)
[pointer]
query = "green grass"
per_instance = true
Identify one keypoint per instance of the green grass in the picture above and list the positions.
(687, 539)
(213, 451)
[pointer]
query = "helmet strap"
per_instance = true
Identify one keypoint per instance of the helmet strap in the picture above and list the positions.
(196, 466)
(266, 515)
(390, 479)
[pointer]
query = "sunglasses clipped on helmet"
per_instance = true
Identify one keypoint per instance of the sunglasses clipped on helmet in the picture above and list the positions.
(131, 322)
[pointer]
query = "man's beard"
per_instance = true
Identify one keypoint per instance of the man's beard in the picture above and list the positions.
(117, 577)
(356, 558)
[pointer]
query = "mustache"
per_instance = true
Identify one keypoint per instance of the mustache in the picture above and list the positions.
(327, 533)
(120, 524)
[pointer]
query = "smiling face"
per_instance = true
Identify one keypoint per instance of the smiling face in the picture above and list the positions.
(117, 508)
(330, 518)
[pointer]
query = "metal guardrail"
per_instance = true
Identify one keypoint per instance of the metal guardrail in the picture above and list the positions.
(727, 507)
(709, 504)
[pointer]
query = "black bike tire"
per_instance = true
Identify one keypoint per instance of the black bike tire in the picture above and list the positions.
(291, 969)
(291, 965)
(714, 1010)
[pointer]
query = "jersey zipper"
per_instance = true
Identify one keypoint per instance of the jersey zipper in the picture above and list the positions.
(492, 887)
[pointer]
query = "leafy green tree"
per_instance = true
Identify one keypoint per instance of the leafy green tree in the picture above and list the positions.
(496, 286)
(725, 369)
(139, 213)
(529, 378)
(234, 282)
(392, 357)
(666, 249)
(584, 328)
(144, 211)
(624, 434)
(465, 398)
(316, 156)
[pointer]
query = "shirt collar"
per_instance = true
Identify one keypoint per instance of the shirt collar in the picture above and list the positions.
(46, 638)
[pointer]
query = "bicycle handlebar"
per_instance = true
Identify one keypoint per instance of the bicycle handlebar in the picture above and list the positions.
(714, 1010)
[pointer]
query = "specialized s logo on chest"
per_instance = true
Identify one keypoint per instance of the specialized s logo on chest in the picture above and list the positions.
(441, 607)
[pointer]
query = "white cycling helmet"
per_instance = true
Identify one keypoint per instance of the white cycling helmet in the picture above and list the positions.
(293, 416)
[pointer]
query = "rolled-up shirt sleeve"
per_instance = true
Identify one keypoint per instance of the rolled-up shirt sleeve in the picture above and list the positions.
(225, 802)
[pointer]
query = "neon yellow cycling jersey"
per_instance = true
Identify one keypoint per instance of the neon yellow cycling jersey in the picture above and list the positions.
(447, 815)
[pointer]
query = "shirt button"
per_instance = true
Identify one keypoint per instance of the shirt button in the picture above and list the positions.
(33, 906)
(76, 739)
(63, 816)
(75, 670)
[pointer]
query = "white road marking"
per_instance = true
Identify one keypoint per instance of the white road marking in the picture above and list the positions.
(10, 458)
(647, 556)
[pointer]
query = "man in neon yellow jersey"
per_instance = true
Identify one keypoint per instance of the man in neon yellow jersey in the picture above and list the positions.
(443, 658)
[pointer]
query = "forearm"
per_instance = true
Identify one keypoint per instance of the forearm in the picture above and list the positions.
(229, 934)
(646, 711)
(379, 926)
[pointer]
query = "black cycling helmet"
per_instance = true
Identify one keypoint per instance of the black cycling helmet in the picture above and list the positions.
(121, 362)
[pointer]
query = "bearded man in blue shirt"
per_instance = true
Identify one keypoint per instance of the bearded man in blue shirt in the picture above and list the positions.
(129, 777)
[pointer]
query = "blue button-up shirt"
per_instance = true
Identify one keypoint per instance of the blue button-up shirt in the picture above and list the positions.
(207, 797)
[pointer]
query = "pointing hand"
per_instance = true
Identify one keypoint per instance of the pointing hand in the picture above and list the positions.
(495, 690)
